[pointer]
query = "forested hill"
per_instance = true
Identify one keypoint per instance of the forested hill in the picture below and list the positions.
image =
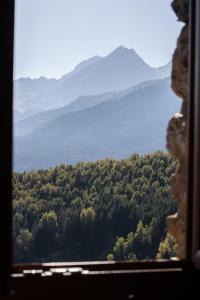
(113, 209)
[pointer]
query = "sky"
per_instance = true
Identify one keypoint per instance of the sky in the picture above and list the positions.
(53, 36)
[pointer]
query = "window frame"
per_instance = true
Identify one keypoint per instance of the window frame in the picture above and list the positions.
(6, 115)
(132, 276)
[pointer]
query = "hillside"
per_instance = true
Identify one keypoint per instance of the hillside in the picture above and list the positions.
(134, 122)
(87, 211)
(26, 125)
(29, 124)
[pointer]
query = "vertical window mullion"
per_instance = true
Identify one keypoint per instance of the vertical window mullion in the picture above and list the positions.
(6, 86)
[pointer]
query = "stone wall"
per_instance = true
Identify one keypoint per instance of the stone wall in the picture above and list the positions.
(177, 129)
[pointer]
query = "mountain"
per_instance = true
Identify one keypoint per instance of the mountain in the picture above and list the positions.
(31, 95)
(119, 70)
(26, 125)
(134, 122)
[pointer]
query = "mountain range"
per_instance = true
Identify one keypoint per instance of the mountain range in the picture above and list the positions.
(106, 107)
(119, 70)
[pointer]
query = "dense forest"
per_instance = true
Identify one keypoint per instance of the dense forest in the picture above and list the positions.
(104, 210)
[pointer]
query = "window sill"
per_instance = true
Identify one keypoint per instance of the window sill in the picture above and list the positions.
(169, 280)
(105, 280)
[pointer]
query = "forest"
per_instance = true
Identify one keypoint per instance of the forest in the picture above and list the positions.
(103, 210)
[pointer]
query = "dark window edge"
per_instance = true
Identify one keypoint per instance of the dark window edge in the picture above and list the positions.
(136, 271)
(172, 283)
(6, 87)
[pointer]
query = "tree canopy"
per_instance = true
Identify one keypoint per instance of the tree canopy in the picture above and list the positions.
(108, 209)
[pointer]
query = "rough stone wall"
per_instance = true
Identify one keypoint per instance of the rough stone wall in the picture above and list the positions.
(177, 129)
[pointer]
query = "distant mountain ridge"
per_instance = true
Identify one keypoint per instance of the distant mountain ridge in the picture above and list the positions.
(29, 124)
(107, 106)
(119, 70)
(134, 122)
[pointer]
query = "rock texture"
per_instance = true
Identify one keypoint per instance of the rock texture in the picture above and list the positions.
(181, 9)
(177, 129)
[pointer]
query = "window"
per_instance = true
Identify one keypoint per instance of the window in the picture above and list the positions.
(95, 137)
(117, 279)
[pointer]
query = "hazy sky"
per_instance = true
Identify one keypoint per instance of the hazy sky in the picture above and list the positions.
(52, 36)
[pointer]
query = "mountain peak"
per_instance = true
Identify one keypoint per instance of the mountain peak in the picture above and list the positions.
(123, 51)
(121, 48)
